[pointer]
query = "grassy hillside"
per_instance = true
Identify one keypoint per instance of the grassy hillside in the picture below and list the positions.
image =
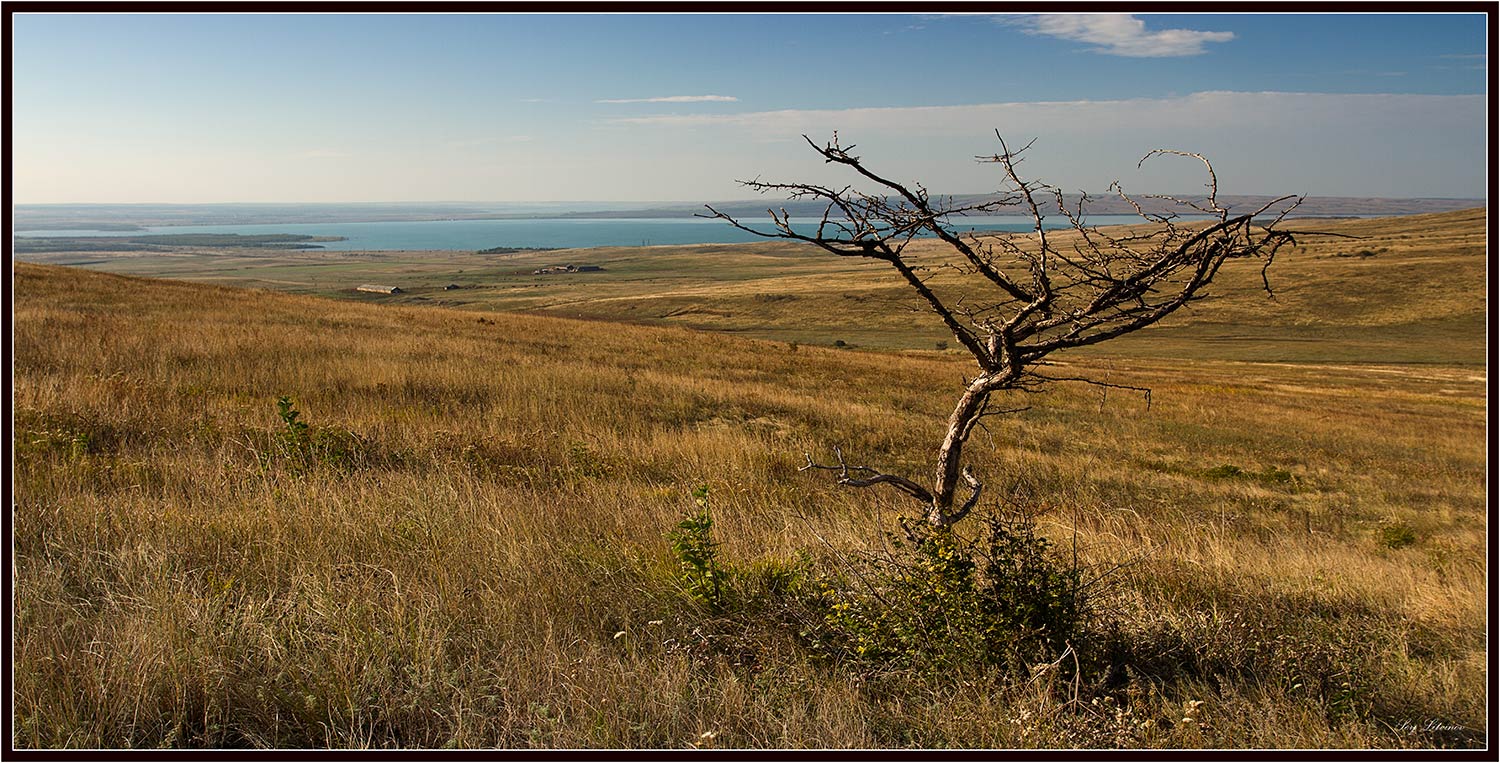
(468, 548)
(1405, 290)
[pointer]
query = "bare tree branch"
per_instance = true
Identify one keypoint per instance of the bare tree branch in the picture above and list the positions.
(1096, 383)
(1024, 296)
(876, 478)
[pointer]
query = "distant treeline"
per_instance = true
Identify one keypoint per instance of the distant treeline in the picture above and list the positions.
(38, 245)
(516, 249)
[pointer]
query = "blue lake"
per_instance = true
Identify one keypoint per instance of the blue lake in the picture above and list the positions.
(562, 233)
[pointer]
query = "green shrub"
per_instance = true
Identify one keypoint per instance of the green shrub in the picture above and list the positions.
(1275, 475)
(1398, 535)
(935, 602)
(295, 435)
(303, 445)
(939, 601)
(587, 461)
(772, 580)
(697, 555)
(73, 435)
(1271, 475)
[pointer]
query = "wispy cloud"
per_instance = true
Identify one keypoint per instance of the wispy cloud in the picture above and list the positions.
(674, 99)
(1203, 110)
(903, 30)
(324, 153)
(1466, 56)
(1117, 34)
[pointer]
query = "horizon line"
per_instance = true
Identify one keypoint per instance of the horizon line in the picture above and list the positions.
(1101, 195)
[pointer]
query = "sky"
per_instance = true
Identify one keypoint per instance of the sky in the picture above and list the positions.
(210, 108)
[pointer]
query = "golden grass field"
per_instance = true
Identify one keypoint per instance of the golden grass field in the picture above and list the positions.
(479, 558)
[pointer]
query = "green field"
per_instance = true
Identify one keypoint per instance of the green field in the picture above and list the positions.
(469, 546)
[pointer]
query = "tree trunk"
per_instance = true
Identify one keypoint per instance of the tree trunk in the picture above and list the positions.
(950, 455)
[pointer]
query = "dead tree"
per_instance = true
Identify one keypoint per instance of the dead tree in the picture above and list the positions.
(1022, 296)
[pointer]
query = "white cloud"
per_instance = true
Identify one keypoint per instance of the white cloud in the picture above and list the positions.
(674, 99)
(1118, 34)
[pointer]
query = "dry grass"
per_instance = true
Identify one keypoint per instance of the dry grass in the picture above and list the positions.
(479, 561)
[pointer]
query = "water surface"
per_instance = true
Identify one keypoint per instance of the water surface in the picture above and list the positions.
(560, 233)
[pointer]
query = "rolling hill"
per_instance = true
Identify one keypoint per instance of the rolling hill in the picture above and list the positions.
(466, 546)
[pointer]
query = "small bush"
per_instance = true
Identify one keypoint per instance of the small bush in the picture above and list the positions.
(939, 601)
(774, 581)
(295, 435)
(933, 603)
(840, 343)
(1273, 474)
(68, 436)
(697, 555)
(1398, 535)
(587, 461)
(304, 445)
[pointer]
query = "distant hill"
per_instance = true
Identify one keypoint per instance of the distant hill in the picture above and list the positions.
(128, 217)
(1312, 206)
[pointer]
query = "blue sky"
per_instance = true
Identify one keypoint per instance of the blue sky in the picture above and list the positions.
(314, 107)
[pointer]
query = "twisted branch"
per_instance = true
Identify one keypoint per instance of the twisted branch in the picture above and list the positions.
(1032, 296)
(876, 477)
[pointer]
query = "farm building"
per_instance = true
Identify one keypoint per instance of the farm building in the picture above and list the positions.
(377, 289)
(566, 269)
